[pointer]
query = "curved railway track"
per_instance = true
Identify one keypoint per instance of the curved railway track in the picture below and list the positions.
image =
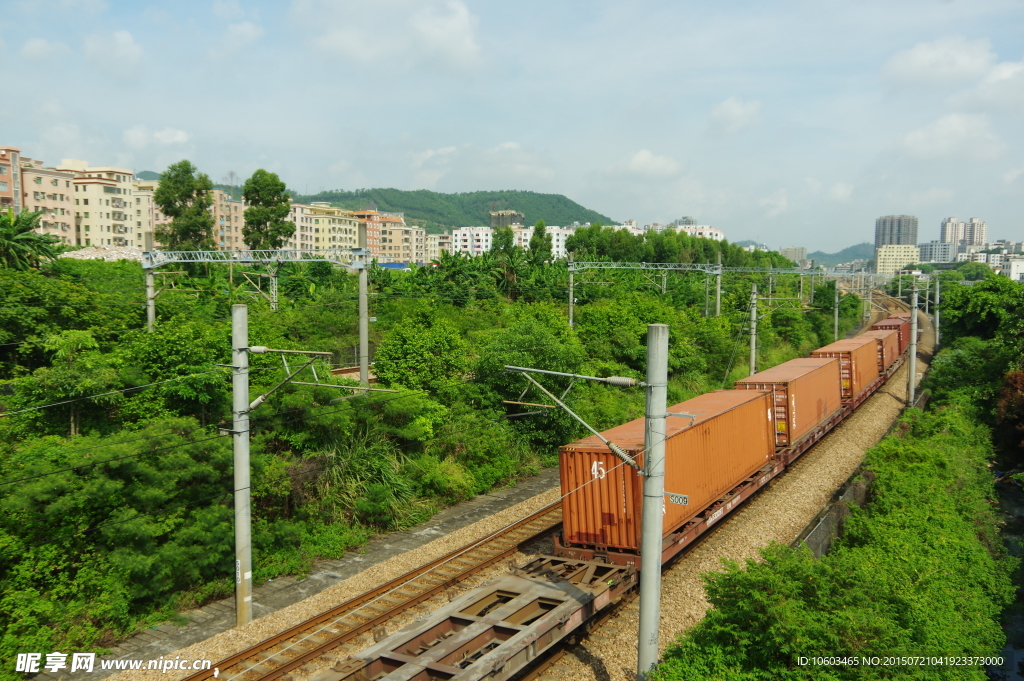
(293, 648)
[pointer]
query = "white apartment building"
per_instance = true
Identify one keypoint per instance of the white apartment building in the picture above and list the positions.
(333, 227)
(1013, 267)
(974, 232)
(892, 258)
(558, 237)
(472, 240)
(703, 231)
(302, 216)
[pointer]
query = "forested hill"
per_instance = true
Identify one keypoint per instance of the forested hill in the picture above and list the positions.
(468, 209)
(864, 251)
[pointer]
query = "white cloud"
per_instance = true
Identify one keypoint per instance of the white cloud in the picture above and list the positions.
(734, 114)
(955, 135)
(840, 192)
(437, 154)
(40, 48)
(227, 9)
(933, 195)
(1002, 86)
(1010, 175)
(238, 37)
(140, 137)
(644, 163)
(941, 61)
(448, 32)
(415, 31)
(117, 52)
(777, 203)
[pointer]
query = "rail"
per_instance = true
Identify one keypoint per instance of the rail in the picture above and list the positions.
(294, 647)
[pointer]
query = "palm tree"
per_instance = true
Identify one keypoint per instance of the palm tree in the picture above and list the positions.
(21, 247)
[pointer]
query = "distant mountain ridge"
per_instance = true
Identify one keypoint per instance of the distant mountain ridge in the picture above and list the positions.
(863, 251)
(436, 210)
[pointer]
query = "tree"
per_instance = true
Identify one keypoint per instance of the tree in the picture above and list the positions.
(974, 271)
(421, 353)
(269, 203)
(184, 196)
(21, 247)
(540, 243)
(504, 240)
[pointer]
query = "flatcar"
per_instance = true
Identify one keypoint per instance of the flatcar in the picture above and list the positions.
(736, 441)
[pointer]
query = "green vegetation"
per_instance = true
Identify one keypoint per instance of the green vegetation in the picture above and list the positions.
(437, 211)
(115, 505)
(267, 207)
(922, 569)
(184, 196)
(21, 247)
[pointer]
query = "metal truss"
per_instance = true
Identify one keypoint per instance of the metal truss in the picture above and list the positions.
(710, 268)
(341, 256)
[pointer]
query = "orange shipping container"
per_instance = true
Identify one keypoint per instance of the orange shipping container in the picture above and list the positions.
(901, 325)
(730, 439)
(858, 363)
(888, 346)
(804, 391)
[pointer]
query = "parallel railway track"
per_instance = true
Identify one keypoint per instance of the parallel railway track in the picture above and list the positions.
(293, 648)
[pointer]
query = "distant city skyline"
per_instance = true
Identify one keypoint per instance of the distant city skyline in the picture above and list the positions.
(778, 122)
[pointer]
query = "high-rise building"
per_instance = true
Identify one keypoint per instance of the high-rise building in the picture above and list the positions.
(10, 178)
(896, 230)
(974, 232)
(49, 191)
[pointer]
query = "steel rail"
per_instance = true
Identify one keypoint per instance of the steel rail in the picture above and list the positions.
(325, 636)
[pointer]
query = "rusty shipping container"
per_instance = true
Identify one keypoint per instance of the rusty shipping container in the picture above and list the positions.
(900, 325)
(804, 392)
(731, 438)
(858, 363)
(888, 346)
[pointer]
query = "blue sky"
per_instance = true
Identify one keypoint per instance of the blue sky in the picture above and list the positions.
(794, 123)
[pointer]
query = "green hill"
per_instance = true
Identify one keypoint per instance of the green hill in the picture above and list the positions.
(864, 251)
(437, 211)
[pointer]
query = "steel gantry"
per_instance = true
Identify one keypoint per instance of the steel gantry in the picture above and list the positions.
(353, 258)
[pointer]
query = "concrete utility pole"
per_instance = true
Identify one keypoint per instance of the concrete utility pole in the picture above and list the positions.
(240, 432)
(801, 289)
(654, 498)
(364, 323)
(912, 359)
(150, 301)
(835, 313)
(572, 292)
(812, 290)
(927, 295)
(753, 329)
(938, 284)
(664, 282)
(718, 287)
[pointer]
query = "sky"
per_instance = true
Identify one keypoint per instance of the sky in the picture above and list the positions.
(790, 123)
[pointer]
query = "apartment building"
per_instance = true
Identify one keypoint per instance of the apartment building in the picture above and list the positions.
(302, 216)
(49, 191)
(400, 242)
(937, 251)
(702, 231)
(891, 258)
(558, 237)
(472, 240)
(369, 231)
(228, 220)
(794, 253)
(895, 230)
(10, 178)
(145, 212)
(333, 227)
(974, 232)
(438, 244)
(103, 198)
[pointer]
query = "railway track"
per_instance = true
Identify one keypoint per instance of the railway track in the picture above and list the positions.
(296, 647)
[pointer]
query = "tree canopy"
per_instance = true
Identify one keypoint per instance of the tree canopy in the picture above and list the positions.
(184, 196)
(268, 205)
(21, 247)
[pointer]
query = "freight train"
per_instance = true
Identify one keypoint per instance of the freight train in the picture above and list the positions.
(736, 442)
